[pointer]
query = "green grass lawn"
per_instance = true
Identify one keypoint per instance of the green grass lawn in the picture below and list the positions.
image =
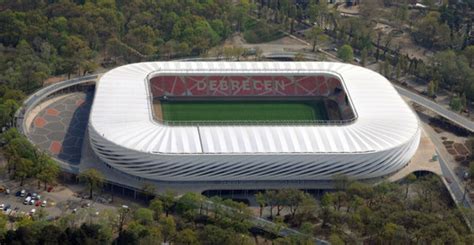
(239, 111)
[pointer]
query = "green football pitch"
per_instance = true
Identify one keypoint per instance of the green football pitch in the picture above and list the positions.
(243, 111)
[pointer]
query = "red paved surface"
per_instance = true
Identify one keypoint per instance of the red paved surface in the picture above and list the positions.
(52, 112)
(55, 147)
(39, 122)
(79, 102)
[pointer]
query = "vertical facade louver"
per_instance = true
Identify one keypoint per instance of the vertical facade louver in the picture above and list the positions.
(380, 139)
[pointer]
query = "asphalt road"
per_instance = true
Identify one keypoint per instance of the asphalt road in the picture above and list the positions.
(452, 182)
(439, 109)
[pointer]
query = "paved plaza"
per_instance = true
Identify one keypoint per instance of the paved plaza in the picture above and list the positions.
(59, 127)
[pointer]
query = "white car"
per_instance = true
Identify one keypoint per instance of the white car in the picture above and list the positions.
(27, 200)
(44, 203)
(2, 206)
(33, 211)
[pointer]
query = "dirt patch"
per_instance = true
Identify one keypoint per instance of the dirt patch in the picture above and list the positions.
(461, 149)
(452, 151)
(459, 158)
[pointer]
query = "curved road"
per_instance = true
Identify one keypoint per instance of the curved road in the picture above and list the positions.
(439, 109)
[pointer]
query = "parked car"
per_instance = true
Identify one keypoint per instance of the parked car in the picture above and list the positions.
(50, 189)
(33, 211)
(466, 175)
(23, 193)
(38, 197)
(2, 206)
(34, 195)
(32, 202)
(8, 206)
(7, 191)
(38, 203)
(27, 200)
(44, 203)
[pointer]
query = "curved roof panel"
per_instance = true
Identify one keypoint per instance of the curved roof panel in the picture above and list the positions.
(122, 113)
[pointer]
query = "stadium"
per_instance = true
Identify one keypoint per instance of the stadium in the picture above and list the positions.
(250, 121)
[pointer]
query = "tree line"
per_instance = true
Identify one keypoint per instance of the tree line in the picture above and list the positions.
(414, 211)
(25, 161)
(40, 39)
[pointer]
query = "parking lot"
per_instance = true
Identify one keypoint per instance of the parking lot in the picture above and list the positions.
(60, 200)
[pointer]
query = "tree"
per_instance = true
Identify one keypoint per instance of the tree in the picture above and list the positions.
(469, 54)
(168, 201)
(157, 207)
(260, 198)
(122, 219)
(190, 204)
(76, 51)
(149, 190)
(3, 225)
(93, 179)
(168, 228)
(281, 199)
(409, 179)
(345, 53)
(216, 235)
(271, 200)
(294, 200)
(187, 237)
(431, 33)
(453, 72)
(316, 35)
(432, 88)
(23, 169)
(455, 104)
(144, 216)
(336, 239)
(46, 170)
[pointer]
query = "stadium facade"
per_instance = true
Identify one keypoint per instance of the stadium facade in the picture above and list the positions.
(377, 133)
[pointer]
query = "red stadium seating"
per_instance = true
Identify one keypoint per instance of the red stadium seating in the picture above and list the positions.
(244, 86)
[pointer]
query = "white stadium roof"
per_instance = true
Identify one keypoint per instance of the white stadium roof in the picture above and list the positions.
(122, 114)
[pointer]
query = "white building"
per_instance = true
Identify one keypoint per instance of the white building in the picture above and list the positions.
(380, 138)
